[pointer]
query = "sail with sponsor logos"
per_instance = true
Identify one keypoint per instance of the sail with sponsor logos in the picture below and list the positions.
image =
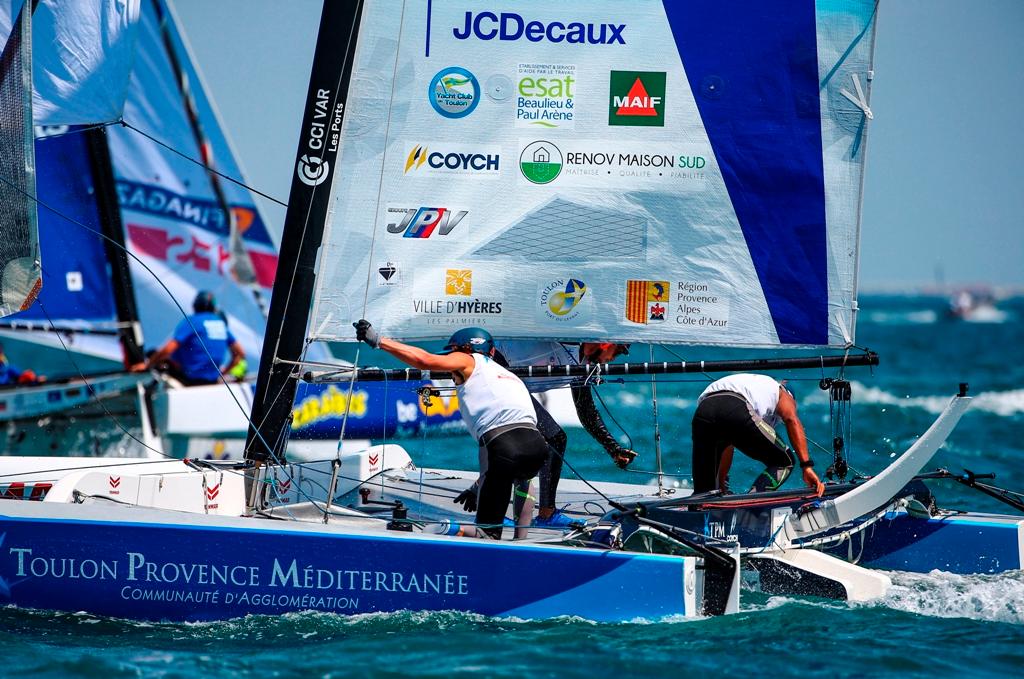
(541, 171)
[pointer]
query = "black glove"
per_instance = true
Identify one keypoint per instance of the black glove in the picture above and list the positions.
(622, 456)
(467, 499)
(366, 333)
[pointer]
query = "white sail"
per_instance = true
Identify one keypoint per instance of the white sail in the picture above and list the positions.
(599, 169)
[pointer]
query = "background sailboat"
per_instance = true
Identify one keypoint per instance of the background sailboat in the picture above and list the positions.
(173, 199)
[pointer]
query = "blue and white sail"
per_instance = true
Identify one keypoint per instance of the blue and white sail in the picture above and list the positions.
(81, 77)
(174, 223)
(599, 170)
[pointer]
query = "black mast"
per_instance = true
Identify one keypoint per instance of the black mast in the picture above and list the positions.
(308, 203)
(130, 331)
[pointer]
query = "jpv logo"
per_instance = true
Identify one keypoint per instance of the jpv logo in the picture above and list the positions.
(646, 301)
(422, 222)
(454, 92)
(313, 170)
(458, 282)
(453, 159)
(637, 98)
(541, 162)
(511, 26)
(561, 298)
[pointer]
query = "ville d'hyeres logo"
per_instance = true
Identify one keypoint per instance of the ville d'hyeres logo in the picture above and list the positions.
(541, 162)
(454, 92)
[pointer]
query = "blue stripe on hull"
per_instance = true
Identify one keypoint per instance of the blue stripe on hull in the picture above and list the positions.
(956, 544)
(759, 102)
(195, 573)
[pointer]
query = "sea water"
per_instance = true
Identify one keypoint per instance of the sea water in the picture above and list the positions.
(928, 625)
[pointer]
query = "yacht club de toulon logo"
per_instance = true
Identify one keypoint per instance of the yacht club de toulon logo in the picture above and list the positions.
(637, 98)
(454, 92)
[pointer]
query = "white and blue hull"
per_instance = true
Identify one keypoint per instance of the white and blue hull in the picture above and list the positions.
(156, 565)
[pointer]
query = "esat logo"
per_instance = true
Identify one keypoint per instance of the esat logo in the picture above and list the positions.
(454, 92)
(562, 298)
(458, 282)
(423, 222)
(541, 162)
(646, 301)
(637, 98)
(546, 96)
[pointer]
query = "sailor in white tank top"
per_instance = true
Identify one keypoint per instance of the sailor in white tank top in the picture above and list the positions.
(760, 391)
(493, 397)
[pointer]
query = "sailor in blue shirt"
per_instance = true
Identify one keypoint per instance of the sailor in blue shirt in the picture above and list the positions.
(10, 374)
(184, 354)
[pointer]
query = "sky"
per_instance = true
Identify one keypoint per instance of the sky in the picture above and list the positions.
(943, 195)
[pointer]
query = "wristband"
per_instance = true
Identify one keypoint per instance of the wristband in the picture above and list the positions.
(808, 464)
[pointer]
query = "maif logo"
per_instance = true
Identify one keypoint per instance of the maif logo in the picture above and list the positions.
(541, 162)
(313, 170)
(454, 92)
(423, 222)
(637, 98)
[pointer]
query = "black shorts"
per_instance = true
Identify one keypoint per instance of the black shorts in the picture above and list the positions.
(516, 454)
(726, 419)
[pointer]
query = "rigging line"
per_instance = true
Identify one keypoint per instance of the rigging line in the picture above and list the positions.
(383, 163)
(608, 412)
(107, 413)
(100, 401)
(190, 159)
(148, 270)
(113, 460)
(73, 129)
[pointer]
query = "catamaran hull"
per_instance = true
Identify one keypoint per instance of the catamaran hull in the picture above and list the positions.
(963, 544)
(151, 566)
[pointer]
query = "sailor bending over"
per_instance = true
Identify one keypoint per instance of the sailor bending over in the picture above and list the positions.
(741, 411)
(518, 352)
(495, 406)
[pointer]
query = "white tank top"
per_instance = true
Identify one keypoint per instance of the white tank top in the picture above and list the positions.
(539, 352)
(493, 397)
(760, 391)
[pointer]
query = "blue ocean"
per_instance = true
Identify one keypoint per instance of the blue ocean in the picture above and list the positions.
(929, 624)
